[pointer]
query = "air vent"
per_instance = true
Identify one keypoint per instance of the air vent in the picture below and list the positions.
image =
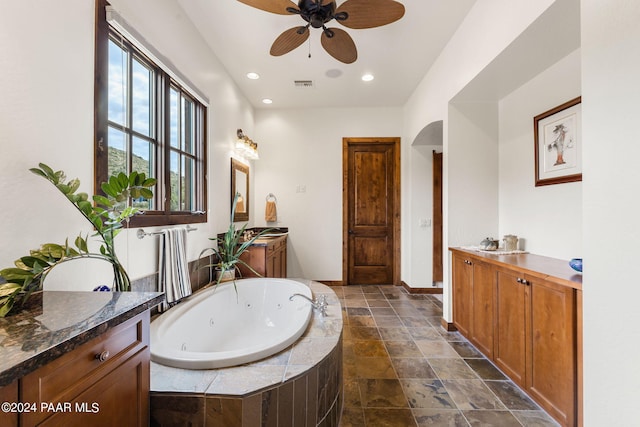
(305, 84)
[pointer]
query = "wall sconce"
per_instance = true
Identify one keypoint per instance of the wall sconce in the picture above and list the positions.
(246, 147)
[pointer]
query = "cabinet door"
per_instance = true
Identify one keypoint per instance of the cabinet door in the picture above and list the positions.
(553, 351)
(462, 294)
(483, 302)
(511, 326)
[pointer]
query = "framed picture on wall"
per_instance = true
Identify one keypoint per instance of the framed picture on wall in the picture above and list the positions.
(558, 144)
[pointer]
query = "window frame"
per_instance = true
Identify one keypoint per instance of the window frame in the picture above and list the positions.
(161, 214)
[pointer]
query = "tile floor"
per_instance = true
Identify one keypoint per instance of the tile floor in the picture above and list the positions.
(401, 368)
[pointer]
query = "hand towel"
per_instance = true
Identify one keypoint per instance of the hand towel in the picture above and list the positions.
(173, 269)
(270, 214)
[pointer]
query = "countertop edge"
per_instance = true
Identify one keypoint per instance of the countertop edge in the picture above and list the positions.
(39, 359)
(568, 277)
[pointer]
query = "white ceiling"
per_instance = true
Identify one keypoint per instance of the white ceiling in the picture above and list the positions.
(398, 54)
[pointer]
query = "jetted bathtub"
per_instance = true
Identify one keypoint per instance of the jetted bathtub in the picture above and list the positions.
(216, 327)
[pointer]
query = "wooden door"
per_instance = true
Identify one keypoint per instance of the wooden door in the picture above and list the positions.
(552, 379)
(483, 302)
(462, 294)
(511, 326)
(437, 217)
(371, 211)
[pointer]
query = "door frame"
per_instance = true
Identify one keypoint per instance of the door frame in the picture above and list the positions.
(346, 142)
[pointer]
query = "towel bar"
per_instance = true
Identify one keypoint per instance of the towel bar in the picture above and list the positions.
(141, 233)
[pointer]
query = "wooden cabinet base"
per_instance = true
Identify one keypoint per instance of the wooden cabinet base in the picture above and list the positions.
(527, 320)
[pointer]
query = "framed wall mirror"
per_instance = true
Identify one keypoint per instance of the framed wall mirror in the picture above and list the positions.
(240, 184)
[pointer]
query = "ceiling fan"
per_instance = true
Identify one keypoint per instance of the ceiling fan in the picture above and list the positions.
(354, 14)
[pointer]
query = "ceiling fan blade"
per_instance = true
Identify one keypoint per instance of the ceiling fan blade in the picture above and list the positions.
(289, 40)
(273, 6)
(340, 46)
(370, 13)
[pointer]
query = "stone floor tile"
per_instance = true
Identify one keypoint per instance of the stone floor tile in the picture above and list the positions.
(425, 333)
(452, 369)
(427, 393)
(436, 349)
(361, 321)
(415, 322)
(382, 393)
(466, 350)
(472, 394)
(379, 303)
(369, 348)
(413, 368)
(485, 369)
(364, 333)
(439, 418)
(352, 393)
(537, 418)
(395, 334)
(491, 418)
(352, 417)
(388, 418)
(388, 321)
(374, 367)
(403, 349)
(511, 396)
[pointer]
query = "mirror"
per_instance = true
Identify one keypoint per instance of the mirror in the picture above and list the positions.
(240, 184)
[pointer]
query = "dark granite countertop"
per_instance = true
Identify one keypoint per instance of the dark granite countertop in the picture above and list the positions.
(55, 322)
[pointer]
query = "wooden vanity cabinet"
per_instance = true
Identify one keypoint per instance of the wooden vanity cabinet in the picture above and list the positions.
(103, 382)
(534, 333)
(268, 257)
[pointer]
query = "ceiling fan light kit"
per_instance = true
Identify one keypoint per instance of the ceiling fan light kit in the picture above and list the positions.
(355, 14)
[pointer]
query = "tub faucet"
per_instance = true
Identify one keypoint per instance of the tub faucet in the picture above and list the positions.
(320, 304)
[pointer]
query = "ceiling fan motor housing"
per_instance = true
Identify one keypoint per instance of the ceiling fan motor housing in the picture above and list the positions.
(315, 13)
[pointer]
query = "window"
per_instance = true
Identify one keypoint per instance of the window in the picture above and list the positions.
(147, 121)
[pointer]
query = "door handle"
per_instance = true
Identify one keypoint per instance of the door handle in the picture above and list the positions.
(351, 232)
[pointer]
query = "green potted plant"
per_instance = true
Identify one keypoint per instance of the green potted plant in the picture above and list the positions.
(106, 214)
(229, 247)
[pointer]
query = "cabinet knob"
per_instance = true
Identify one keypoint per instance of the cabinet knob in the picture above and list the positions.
(102, 357)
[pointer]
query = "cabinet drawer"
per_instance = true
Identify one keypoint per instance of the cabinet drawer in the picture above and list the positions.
(69, 375)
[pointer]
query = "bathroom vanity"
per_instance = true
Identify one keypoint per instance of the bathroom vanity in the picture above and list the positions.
(267, 256)
(524, 312)
(77, 358)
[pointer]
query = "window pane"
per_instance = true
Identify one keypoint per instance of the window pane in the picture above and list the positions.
(142, 96)
(187, 195)
(175, 181)
(117, 102)
(143, 161)
(188, 125)
(117, 155)
(173, 118)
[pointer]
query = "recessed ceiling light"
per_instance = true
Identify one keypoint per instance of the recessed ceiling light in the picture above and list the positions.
(253, 76)
(367, 77)
(267, 101)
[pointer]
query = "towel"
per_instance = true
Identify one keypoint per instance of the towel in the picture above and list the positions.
(270, 214)
(173, 269)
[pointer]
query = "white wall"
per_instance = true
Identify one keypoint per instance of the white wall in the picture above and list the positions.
(611, 107)
(304, 148)
(46, 115)
(548, 218)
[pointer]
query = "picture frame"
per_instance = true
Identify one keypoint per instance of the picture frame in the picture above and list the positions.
(558, 144)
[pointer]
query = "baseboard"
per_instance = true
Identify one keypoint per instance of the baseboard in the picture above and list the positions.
(432, 291)
(330, 282)
(449, 327)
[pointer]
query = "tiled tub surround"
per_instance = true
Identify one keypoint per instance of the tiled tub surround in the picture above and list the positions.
(402, 369)
(56, 322)
(300, 386)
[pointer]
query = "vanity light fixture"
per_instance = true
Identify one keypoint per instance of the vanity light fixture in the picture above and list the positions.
(245, 146)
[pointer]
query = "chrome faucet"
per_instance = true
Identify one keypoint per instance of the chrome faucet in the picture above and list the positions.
(320, 304)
